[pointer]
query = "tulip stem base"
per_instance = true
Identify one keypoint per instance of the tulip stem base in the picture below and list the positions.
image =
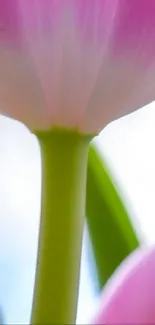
(64, 166)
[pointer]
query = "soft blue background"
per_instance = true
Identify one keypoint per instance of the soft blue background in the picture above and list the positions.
(128, 145)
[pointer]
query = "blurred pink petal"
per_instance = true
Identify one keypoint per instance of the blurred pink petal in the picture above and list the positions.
(76, 63)
(129, 297)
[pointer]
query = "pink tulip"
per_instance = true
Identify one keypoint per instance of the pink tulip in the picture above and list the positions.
(129, 297)
(76, 63)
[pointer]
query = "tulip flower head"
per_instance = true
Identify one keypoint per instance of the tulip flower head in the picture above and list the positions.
(129, 297)
(75, 63)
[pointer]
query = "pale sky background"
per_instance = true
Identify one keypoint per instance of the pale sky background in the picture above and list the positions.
(129, 147)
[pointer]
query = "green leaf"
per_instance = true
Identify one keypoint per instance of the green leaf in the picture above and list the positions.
(111, 232)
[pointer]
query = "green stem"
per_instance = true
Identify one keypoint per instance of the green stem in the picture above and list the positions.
(64, 166)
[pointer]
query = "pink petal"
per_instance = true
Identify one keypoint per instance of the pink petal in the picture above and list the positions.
(129, 297)
(76, 63)
(129, 25)
(18, 16)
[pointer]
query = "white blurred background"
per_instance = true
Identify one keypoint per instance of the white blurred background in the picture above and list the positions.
(129, 147)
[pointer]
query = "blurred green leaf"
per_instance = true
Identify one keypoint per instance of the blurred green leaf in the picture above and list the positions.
(110, 229)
